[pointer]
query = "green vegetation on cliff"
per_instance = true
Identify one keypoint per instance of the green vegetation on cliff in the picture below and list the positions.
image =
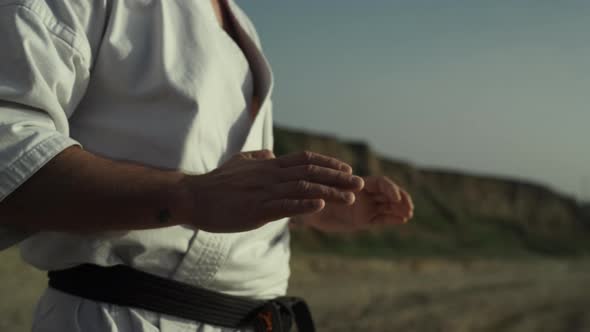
(456, 214)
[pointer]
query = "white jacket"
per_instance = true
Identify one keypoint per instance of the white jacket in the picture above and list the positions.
(149, 81)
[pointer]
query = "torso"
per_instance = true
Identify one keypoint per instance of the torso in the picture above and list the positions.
(165, 90)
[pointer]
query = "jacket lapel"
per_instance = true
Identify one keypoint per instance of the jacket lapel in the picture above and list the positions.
(263, 79)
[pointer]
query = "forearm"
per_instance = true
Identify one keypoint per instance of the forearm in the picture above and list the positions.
(81, 192)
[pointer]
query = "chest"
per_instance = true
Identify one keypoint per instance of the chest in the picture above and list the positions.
(149, 45)
(167, 87)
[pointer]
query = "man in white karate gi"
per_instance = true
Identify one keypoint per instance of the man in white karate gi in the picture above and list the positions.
(139, 133)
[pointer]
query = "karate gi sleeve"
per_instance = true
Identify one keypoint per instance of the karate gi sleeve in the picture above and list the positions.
(44, 72)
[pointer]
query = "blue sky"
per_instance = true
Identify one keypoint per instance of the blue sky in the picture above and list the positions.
(494, 87)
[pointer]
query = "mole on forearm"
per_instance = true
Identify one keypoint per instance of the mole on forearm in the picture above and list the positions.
(164, 216)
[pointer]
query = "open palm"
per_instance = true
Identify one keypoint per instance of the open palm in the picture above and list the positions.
(381, 202)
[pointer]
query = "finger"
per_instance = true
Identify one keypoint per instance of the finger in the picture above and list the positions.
(307, 157)
(405, 207)
(384, 186)
(307, 190)
(391, 189)
(284, 208)
(258, 154)
(322, 175)
(384, 198)
(407, 199)
(380, 198)
(397, 210)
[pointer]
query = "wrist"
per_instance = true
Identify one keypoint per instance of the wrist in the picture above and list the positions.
(178, 204)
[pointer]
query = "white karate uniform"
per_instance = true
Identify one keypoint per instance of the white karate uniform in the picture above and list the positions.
(157, 82)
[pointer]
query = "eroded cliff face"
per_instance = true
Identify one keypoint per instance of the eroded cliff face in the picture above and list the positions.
(455, 211)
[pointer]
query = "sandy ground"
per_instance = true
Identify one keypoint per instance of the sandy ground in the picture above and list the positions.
(441, 295)
(396, 295)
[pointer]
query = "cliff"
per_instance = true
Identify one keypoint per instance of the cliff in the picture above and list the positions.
(456, 213)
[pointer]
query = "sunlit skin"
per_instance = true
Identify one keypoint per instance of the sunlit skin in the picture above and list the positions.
(380, 202)
(218, 7)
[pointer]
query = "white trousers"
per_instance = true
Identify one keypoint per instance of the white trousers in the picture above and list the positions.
(61, 312)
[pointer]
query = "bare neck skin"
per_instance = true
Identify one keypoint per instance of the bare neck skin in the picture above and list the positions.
(222, 14)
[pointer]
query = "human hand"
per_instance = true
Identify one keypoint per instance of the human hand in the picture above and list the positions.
(254, 188)
(381, 202)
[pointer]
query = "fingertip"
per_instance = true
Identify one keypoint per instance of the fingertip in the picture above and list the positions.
(399, 221)
(349, 198)
(397, 194)
(358, 182)
(408, 197)
(346, 168)
(315, 204)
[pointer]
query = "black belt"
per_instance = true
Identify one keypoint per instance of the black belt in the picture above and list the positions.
(125, 286)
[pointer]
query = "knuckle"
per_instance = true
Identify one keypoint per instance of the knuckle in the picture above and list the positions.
(309, 169)
(343, 177)
(307, 155)
(337, 192)
(335, 163)
(330, 192)
(303, 186)
(286, 205)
